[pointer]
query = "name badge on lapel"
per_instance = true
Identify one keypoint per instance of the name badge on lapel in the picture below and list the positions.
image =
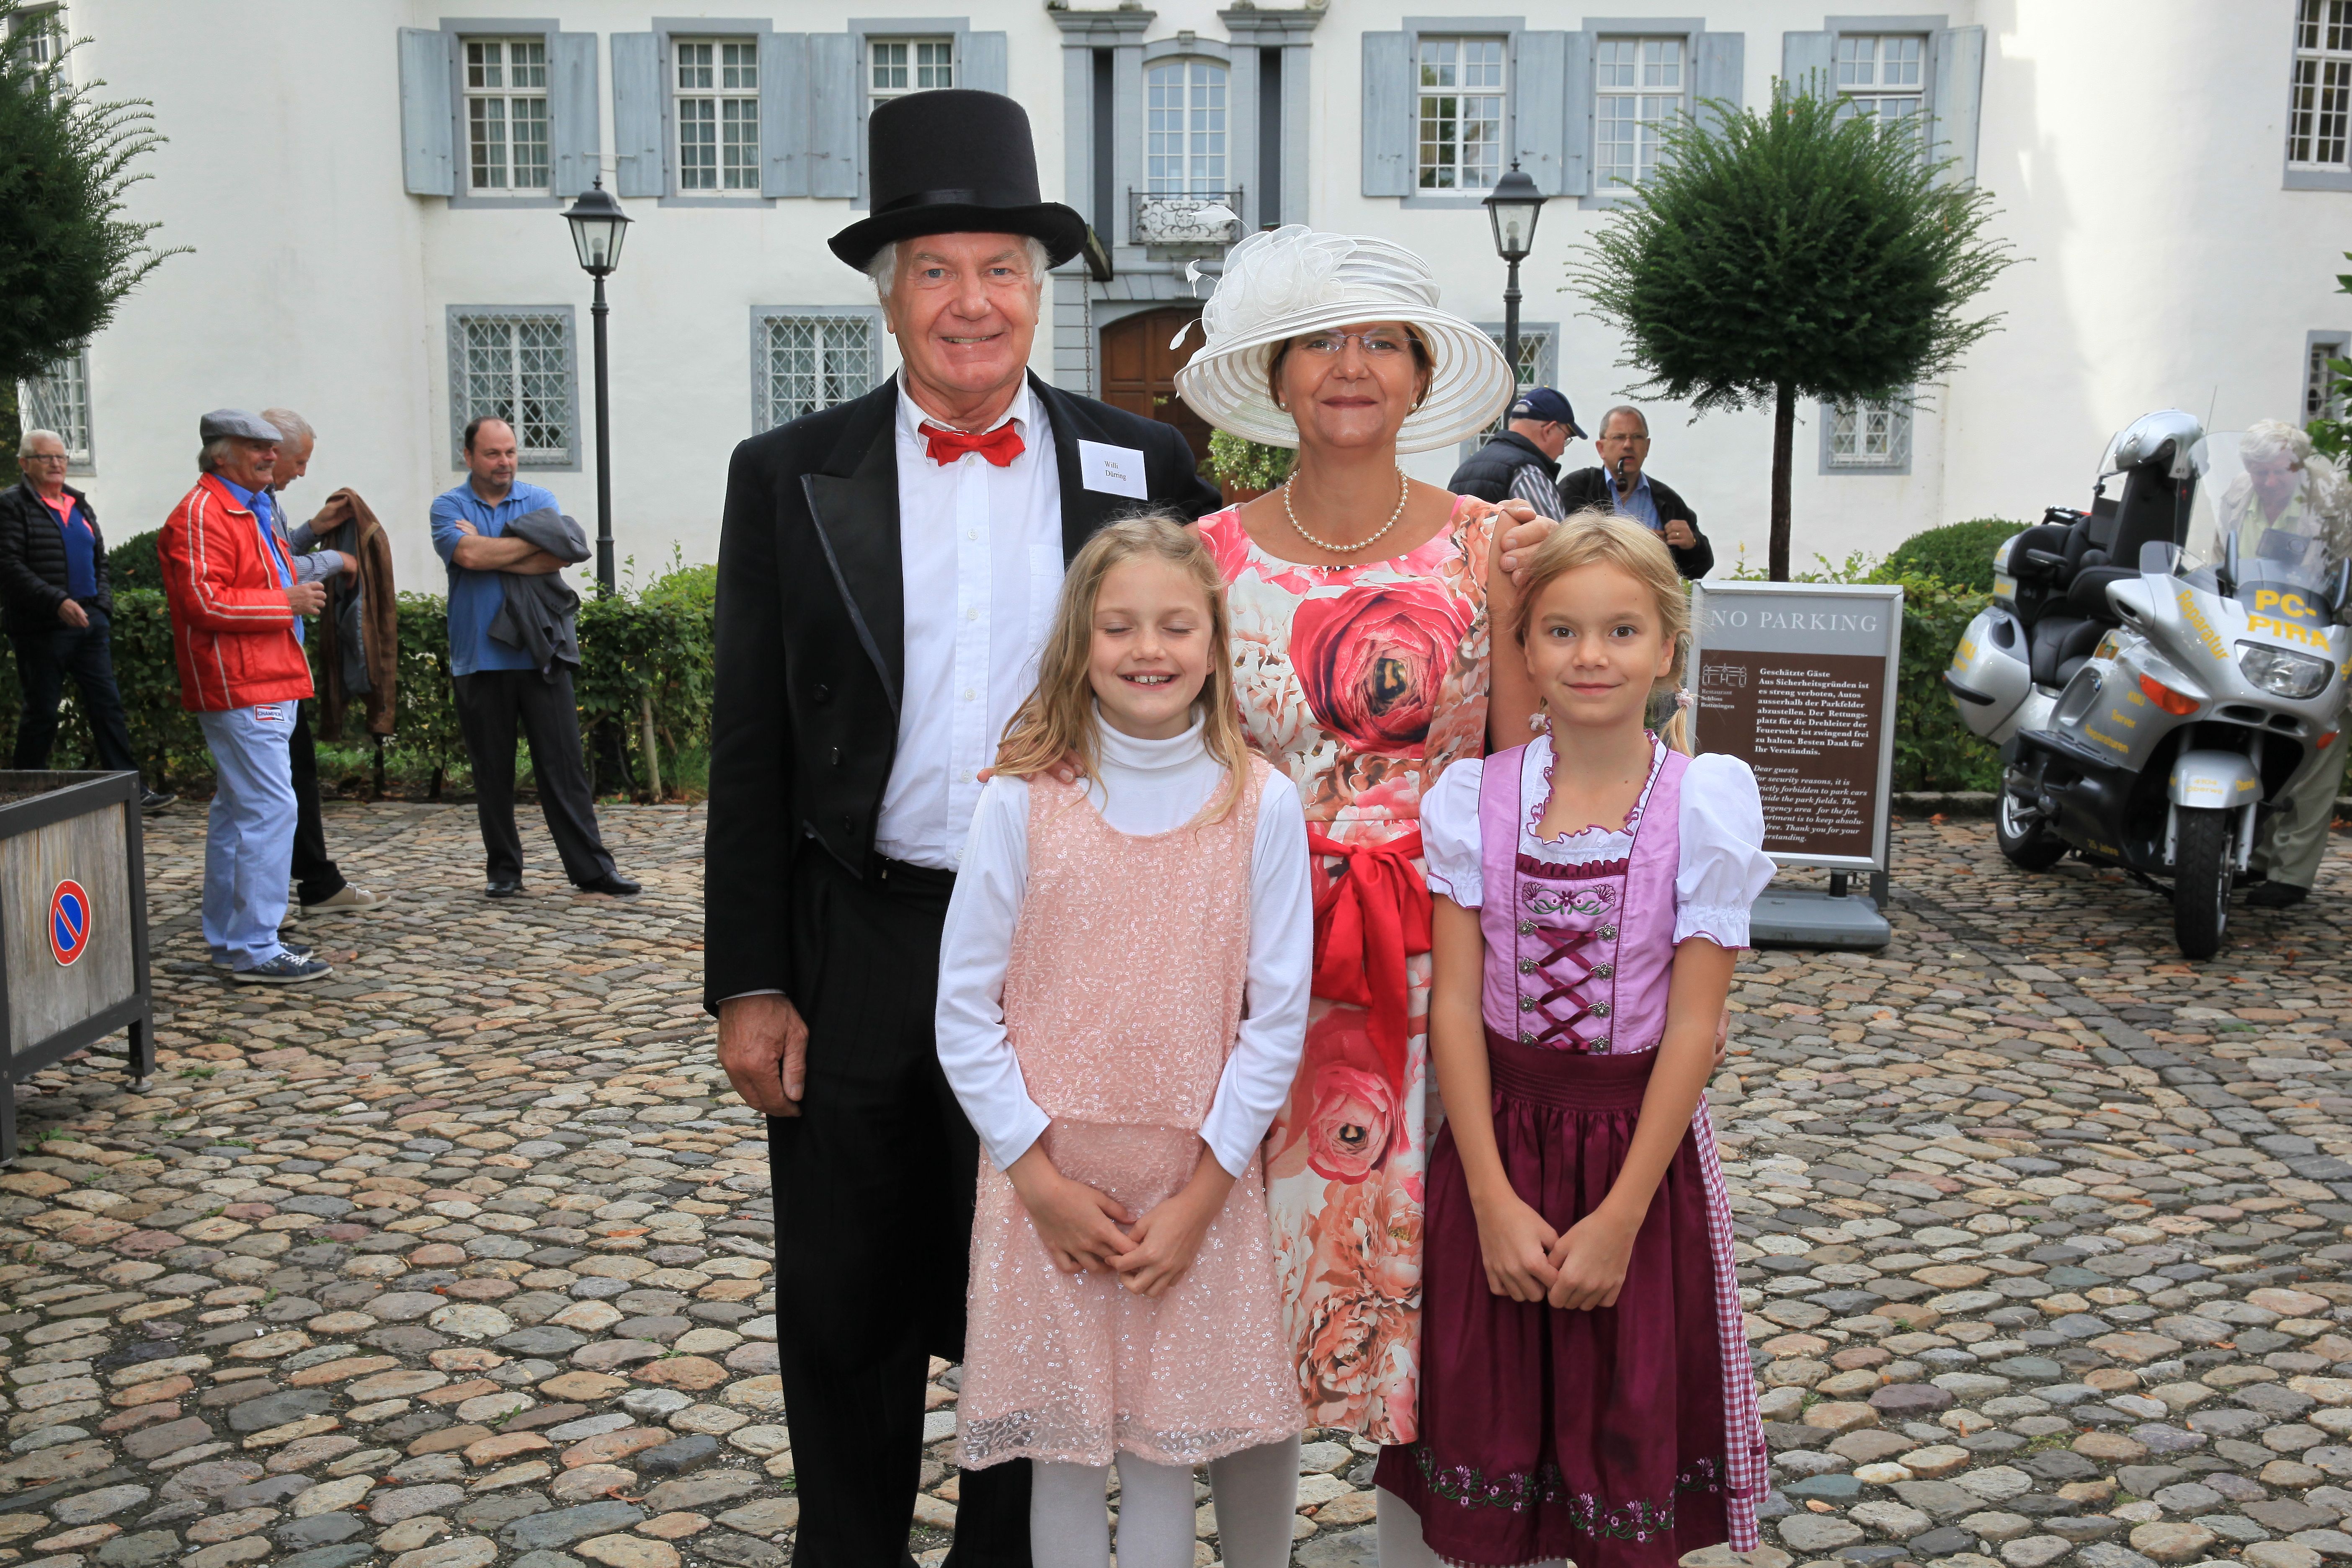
(1114, 471)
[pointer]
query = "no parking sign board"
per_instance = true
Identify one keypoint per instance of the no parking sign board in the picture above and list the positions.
(69, 921)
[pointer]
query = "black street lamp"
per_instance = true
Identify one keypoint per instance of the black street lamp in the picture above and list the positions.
(1512, 209)
(598, 227)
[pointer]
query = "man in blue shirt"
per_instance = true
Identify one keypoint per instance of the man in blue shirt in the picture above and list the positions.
(1621, 486)
(498, 684)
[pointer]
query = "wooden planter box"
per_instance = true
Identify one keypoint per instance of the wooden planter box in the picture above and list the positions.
(73, 926)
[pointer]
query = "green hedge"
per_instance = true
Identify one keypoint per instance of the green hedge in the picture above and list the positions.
(1959, 553)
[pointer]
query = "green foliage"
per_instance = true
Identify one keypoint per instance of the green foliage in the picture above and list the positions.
(133, 563)
(2331, 437)
(1959, 553)
(67, 257)
(1248, 465)
(646, 657)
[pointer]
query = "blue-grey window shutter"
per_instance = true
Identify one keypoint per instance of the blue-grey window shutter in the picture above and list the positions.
(639, 166)
(1576, 93)
(1388, 115)
(428, 122)
(985, 62)
(783, 114)
(1539, 111)
(575, 127)
(1959, 95)
(1809, 62)
(1721, 73)
(833, 114)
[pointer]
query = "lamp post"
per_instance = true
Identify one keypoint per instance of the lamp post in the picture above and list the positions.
(1512, 209)
(598, 227)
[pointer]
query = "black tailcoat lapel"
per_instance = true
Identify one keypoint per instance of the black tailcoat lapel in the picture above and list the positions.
(1083, 510)
(854, 503)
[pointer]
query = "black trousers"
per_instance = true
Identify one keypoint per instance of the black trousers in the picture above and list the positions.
(874, 1183)
(490, 702)
(44, 659)
(315, 876)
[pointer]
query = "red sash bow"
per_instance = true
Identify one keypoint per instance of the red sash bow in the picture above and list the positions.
(1367, 920)
(999, 445)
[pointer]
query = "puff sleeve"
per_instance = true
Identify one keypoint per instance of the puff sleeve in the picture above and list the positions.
(1449, 833)
(1723, 864)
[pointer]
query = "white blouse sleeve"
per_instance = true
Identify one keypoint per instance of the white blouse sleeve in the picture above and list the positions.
(1724, 866)
(1273, 1032)
(974, 949)
(1449, 833)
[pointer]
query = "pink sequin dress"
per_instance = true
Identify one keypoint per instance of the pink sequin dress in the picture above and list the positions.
(1125, 1054)
(1363, 683)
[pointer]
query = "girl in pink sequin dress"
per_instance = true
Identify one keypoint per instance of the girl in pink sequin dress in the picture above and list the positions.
(1585, 1386)
(1123, 992)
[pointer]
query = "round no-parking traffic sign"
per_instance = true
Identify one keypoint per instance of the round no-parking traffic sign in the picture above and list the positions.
(69, 921)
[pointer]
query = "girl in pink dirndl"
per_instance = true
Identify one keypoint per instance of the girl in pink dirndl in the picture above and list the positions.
(1122, 995)
(1586, 1391)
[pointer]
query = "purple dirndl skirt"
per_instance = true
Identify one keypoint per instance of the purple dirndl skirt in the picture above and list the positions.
(1595, 1435)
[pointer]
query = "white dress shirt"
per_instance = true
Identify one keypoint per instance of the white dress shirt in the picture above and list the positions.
(1148, 786)
(981, 549)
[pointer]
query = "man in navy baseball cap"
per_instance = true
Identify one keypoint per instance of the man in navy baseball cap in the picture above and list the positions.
(1522, 461)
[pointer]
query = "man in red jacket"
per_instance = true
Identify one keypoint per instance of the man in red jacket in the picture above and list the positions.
(236, 632)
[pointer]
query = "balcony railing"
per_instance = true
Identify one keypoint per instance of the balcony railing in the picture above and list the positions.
(1192, 219)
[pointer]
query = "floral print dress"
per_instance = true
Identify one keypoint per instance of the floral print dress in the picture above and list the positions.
(1362, 682)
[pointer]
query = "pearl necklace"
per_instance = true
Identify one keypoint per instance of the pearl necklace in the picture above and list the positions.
(1404, 492)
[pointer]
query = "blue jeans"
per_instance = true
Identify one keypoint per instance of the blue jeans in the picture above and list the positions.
(249, 837)
(44, 659)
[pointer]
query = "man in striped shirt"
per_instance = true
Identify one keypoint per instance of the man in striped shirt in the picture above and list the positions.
(1522, 462)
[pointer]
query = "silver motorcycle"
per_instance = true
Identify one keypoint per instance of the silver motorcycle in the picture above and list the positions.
(2161, 670)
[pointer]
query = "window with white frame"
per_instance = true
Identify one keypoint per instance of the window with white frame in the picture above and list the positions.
(1460, 114)
(59, 399)
(506, 114)
(1863, 436)
(2322, 397)
(716, 112)
(1184, 127)
(896, 66)
(1640, 88)
(2320, 105)
(1882, 76)
(517, 365)
(812, 362)
(1535, 367)
(39, 33)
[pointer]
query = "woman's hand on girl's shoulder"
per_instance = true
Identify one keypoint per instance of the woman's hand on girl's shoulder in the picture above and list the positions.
(1517, 531)
(1591, 1259)
(1515, 1244)
(1079, 1226)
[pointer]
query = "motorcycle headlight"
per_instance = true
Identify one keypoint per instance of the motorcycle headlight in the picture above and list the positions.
(2282, 673)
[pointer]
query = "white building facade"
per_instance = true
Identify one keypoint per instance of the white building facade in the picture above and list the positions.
(373, 190)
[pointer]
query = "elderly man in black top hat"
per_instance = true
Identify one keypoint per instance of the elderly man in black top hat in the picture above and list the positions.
(886, 569)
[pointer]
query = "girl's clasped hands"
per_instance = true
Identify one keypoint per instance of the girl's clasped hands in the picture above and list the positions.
(1089, 1232)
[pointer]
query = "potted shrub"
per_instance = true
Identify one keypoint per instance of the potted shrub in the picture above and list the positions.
(1246, 469)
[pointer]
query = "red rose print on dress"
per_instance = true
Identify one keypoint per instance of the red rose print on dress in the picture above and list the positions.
(1371, 660)
(1350, 1106)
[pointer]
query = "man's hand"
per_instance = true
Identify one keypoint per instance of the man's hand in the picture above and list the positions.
(1520, 531)
(307, 598)
(465, 527)
(73, 614)
(763, 1045)
(1680, 533)
(351, 566)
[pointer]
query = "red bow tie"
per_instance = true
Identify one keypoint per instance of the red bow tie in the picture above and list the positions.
(999, 445)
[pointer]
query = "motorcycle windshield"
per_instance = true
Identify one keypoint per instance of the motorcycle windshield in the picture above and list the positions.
(2266, 522)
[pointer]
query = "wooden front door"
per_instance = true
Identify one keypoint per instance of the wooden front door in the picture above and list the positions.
(1140, 370)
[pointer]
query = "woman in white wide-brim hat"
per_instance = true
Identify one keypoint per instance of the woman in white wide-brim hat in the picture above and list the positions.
(1362, 603)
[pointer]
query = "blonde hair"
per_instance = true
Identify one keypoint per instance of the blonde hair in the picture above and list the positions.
(1599, 537)
(1058, 719)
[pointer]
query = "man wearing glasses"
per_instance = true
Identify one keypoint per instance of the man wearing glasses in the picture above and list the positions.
(1619, 485)
(57, 608)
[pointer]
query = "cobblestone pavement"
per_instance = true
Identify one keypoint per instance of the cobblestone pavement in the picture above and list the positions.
(464, 1258)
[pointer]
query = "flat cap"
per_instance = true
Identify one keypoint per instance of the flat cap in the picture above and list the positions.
(223, 422)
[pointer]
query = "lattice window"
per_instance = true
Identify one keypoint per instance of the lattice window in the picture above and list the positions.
(1460, 114)
(896, 66)
(813, 362)
(518, 368)
(1868, 435)
(1536, 360)
(718, 115)
(2320, 106)
(1882, 76)
(1184, 127)
(506, 114)
(59, 399)
(1639, 89)
(39, 33)
(2321, 399)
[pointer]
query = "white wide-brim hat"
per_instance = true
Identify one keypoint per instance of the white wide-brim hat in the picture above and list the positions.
(1280, 284)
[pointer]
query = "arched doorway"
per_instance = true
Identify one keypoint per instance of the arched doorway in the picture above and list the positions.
(1140, 370)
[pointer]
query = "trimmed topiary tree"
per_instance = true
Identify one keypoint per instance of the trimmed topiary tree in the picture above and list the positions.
(1959, 553)
(1784, 255)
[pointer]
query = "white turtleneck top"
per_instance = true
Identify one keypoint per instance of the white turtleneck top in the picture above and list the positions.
(1147, 788)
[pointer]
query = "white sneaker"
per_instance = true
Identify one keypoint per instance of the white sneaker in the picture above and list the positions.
(348, 900)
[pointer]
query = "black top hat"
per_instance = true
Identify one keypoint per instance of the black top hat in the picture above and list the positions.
(954, 161)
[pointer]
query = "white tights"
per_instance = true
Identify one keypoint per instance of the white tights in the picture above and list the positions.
(1256, 1493)
(1400, 1538)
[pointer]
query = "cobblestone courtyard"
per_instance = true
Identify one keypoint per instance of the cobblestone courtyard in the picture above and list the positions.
(463, 1258)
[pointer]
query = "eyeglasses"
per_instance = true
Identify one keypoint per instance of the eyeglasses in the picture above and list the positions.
(1626, 436)
(47, 457)
(1377, 346)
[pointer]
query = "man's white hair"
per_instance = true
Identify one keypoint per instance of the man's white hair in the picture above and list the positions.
(883, 269)
(2267, 440)
(25, 444)
(288, 423)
